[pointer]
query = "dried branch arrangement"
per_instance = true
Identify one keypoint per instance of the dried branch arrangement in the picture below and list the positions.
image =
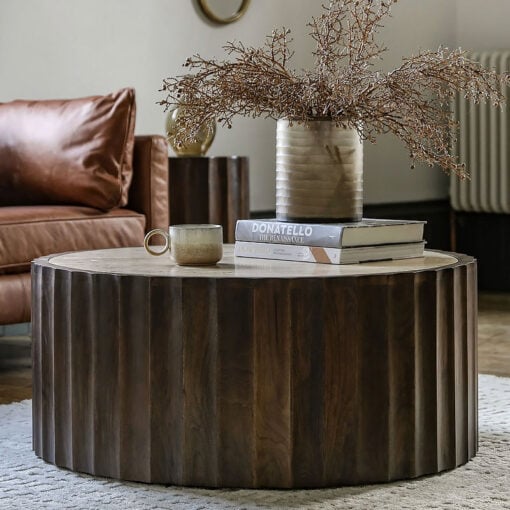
(411, 101)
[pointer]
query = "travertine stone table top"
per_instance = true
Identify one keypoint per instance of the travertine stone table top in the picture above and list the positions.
(136, 261)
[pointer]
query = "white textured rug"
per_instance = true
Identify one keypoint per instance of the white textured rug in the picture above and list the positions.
(27, 482)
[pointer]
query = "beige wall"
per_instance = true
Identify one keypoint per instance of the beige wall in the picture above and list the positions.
(68, 48)
(483, 25)
(415, 25)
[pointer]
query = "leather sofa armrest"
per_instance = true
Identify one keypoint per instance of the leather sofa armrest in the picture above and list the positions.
(148, 193)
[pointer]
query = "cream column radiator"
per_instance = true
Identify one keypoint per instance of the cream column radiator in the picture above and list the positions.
(483, 144)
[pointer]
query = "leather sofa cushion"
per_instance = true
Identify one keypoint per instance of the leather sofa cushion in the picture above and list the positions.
(28, 232)
(15, 294)
(76, 151)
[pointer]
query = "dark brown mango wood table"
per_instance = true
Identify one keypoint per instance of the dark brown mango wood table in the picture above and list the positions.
(254, 373)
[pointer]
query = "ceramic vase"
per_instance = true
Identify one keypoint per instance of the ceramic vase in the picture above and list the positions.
(319, 172)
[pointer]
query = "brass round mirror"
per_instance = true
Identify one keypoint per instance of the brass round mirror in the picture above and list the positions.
(223, 11)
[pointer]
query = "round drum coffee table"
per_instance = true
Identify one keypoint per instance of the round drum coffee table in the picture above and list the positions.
(254, 373)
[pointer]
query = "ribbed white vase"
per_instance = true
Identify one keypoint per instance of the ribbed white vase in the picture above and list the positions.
(319, 172)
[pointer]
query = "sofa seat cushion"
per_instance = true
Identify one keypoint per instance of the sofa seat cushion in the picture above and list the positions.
(28, 232)
(15, 294)
(73, 151)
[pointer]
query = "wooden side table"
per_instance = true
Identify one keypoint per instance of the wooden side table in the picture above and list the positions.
(254, 373)
(209, 190)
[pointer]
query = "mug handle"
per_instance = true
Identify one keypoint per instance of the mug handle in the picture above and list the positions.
(152, 233)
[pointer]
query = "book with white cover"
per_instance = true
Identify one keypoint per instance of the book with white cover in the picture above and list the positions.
(325, 255)
(367, 232)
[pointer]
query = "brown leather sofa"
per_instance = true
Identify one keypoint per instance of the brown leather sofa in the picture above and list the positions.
(73, 176)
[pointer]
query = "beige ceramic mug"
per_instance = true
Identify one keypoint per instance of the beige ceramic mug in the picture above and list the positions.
(190, 245)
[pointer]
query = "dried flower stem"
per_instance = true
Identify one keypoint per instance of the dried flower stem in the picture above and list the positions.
(412, 101)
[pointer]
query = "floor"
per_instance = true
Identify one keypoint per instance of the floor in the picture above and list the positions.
(494, 334)
(15, 371)
(493, 349)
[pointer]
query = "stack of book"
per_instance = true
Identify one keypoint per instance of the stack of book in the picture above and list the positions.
(330, 243)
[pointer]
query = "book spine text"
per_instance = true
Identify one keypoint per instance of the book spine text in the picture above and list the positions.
(257, 231)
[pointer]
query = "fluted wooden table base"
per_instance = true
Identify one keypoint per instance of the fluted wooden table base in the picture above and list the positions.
(212, 377)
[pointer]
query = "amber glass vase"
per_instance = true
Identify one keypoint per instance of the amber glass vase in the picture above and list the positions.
(199, 146)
